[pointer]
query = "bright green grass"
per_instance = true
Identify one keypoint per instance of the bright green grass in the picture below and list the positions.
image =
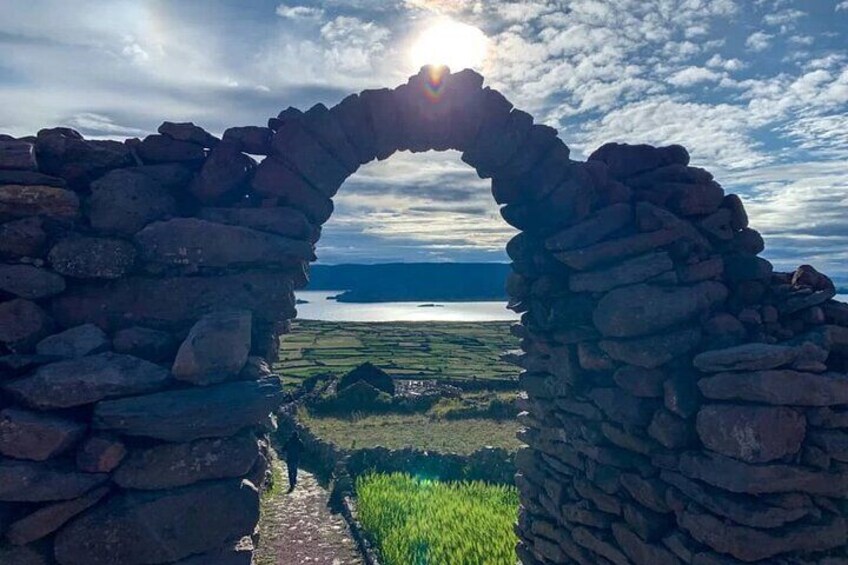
(421, 431)
(422, 522)
(459, 350)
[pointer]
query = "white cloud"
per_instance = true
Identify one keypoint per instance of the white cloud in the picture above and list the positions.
(842, 6)
(783, 17)
(299, 12)
(758, 41)
(693, 75)
(717, 61)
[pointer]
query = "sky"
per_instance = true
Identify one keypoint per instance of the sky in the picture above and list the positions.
(757, 91)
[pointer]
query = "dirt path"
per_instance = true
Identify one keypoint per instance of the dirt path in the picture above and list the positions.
(298, 528)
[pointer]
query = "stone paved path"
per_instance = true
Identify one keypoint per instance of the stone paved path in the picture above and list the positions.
(298, 528)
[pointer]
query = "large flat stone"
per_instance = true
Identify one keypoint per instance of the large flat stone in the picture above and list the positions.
(287, 222)
(48, 519)
(186, 415)
(224, 176)
(624, 160)
(187, 131)
(593, 229)
(80, 341)
(27, 281)
(166, 149)
(19, 201)
(585, 258)
(64, 153)
(92, 257)
(779, 387)
(741, 509)
(23, 324)
(124, 201)
(749, 544)
(215, 349)
(32, 435)
(747, 357)
(152, 345)
(274, 179)
(735, 476)
(16, 154)
(166, 302)
(644, 309)
(139, 528)
(756, 434)
(23, 238)
(191, 243)
(630, 271)
(27, 481)
(86, 380)
(178, 464)
(652, 351)
(296, 146)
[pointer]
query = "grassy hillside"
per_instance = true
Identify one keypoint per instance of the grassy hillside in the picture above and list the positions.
(457, 350)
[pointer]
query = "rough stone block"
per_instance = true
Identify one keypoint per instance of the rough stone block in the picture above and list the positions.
(173, 465)
(86, 380)
(28, 481)
(19, 201)
(750, 433)
(190, 244)
(18, 155)
(30, 435)
(216, 348)
(276, 180)
(224, 177)
(80, 341)
(23, 324)
(778, 387)
(163, 149)
(26, 281)
(23, 238)
(643, 309)
(186, 415)
(124, 201)
(134, 528)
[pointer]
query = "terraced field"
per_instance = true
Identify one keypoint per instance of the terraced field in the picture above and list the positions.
(422, 350)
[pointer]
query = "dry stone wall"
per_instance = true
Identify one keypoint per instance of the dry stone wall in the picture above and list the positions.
(684, 403)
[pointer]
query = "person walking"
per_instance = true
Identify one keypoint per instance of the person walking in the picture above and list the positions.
(293, 449)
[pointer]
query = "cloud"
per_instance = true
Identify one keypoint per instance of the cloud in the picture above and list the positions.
(693, 75)
(841, 6)
(758, 41)
(299, 12)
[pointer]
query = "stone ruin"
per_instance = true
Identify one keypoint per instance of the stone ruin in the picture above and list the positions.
(684, 403)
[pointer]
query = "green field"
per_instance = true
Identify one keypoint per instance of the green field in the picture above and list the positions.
(418, 522)
(456, 350)
(421, 431)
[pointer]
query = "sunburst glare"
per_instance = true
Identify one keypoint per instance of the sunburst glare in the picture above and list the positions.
(450, 43)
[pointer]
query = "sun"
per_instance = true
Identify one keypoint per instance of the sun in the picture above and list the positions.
(451, 43)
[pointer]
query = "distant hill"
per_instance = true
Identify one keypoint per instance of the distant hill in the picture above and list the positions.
(412, 282)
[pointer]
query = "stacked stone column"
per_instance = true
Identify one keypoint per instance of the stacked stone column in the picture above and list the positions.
(142, 289)
(684, 403)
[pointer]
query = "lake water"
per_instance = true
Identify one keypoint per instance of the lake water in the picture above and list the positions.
(319, 308)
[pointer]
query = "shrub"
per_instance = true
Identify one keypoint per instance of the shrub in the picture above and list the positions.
(423, 522)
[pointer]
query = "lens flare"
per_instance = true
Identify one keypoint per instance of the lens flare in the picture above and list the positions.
(451, 43)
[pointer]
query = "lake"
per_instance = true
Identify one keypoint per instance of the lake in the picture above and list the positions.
(320, 308)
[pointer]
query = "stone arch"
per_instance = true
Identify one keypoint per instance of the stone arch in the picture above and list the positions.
(684, 403)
